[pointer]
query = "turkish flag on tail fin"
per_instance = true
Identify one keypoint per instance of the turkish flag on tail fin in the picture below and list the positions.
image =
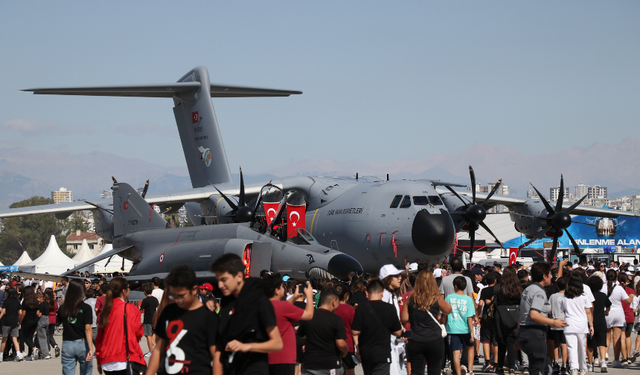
(270, 210)
(295, 218)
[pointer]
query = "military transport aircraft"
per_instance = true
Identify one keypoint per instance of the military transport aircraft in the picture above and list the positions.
(374, 220)
(143, 236)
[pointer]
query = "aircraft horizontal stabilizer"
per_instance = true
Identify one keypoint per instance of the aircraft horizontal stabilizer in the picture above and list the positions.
(97, 259)
(167, 90)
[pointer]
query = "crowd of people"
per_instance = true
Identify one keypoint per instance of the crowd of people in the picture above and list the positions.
(538, 320)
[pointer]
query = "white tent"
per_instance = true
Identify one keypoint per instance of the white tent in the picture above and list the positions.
(52, 261)
(83, 255)
(24, 259)
(115, 265)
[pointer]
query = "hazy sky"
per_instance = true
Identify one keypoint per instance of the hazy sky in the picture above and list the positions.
(381, 80)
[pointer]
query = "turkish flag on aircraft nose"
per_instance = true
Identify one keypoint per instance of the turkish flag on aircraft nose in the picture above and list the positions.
(295, 218)
(513, 253)
(270, 210)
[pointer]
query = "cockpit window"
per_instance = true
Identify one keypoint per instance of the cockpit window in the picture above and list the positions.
(302, 237)
(420, 200)
(396, 201)
(406, 202)
(435, 200)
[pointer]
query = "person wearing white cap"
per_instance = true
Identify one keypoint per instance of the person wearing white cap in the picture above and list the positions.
(390, 277)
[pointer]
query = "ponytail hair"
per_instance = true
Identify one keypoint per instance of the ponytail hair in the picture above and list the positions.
(116, 286)
(611, 279)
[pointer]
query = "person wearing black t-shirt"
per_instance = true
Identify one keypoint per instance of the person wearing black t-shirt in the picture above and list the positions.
(248, 328)
(149, 306)
(77, 336)
(325, 337)
(186, 330)
(374, 321)
(9, 316)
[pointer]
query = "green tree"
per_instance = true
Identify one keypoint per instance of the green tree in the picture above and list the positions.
(32, 233)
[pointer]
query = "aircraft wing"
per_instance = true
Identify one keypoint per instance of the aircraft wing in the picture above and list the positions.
(515, 203)
(59, 208)
(167, 90)
(97, 259)
(200, 275)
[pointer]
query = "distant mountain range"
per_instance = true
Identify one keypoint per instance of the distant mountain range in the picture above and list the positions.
(25, 173)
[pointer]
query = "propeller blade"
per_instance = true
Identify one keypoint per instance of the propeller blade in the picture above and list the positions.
(550, 210)
(457, 195)
(146, 187)
(229, 201)
(486, 227)
(473, 183)
(537, 237)
(241, 199)
(560, 194)
(573, 206)
(573, 242)
(493, 191)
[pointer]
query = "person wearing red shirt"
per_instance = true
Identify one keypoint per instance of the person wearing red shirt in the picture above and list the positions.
(346, 312)
(284, 361)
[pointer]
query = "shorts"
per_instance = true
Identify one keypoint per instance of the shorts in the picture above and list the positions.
(348, 363)
(148, 329)
(488, 334)
(10, 331)
(557, 337)
(628, 328)
(599, 338)
(459, 341)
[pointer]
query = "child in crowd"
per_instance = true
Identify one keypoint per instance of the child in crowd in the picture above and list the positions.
(601, 307)
(459, 324)
(577, 314)
(148, 307)
(556, 341)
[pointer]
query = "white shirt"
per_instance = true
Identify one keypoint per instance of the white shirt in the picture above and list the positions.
(575, 314)
(617, 295)
(158, 294)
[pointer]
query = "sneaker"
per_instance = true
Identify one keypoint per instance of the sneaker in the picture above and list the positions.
(147, 354)
(34, 353)
(583, 372)
(634, 355)
(57, 350)
(563, 369)
(512, 371)
(19, 356)
(603, 365)
(617, 364)
(556, 368)
(589, 367)
(463, 370)
(525, 371)
(47, 357)
(487, 367)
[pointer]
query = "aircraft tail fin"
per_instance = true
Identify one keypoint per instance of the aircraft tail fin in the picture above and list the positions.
(131, 213)
(194, 113)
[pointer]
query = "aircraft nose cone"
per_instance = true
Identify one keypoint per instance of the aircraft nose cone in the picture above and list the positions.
(433, 234)
(340, 265)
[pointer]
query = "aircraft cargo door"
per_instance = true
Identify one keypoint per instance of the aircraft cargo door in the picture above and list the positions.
(260, 258)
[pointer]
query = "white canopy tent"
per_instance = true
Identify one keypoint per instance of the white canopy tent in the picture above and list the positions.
(115, 265)
(52, 261)
(83, 255)
(24, 259)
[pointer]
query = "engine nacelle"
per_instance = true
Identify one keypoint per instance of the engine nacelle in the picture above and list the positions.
(454, 204)
(526, 218)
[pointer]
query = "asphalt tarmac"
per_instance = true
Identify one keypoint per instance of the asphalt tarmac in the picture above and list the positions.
(53, 365)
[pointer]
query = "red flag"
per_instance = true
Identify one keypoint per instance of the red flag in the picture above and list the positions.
(295, 218)
(270, 210)
(513, 253)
